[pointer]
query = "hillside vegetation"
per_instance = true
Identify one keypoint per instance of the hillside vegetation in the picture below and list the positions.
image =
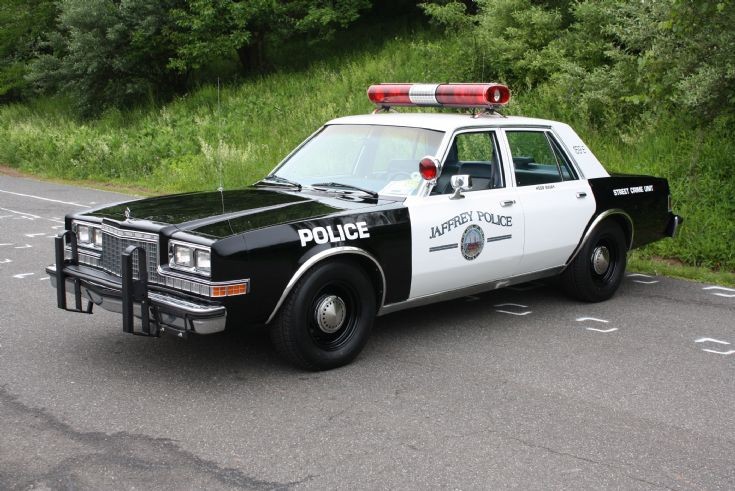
(233, 134)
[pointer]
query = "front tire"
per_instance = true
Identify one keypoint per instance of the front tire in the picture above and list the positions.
(326, 319)
(597, 271)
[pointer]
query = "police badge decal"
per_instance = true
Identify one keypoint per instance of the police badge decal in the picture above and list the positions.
(473, 240)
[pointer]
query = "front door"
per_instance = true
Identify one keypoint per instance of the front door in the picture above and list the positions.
(473, 239)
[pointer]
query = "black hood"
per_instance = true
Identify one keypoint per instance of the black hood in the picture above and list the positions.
(221, 214)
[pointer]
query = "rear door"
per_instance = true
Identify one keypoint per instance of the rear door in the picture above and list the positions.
(557, 201)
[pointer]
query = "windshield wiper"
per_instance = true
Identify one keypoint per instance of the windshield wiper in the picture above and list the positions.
(280, 180)
(345, 186)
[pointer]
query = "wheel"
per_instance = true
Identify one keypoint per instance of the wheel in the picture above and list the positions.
(326, 319)
(595, 274)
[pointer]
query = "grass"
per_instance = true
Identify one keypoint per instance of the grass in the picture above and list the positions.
(233, 136)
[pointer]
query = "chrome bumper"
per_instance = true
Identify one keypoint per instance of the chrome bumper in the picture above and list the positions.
(183, 316)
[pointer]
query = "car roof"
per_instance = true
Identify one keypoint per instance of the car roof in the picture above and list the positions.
(441, 122)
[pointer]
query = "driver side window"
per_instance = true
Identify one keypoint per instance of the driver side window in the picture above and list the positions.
(475, 154)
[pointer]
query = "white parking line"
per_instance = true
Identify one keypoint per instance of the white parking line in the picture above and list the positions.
(22, 275)
(582, 319)
(503, 311)
(27, 246)
(6, 261)
(44, 199)
(719, 352)
(31, 216)
(645, 282)
(612, 329)
(723, 289)
(639, 275)
(710, 340)
(35, 235)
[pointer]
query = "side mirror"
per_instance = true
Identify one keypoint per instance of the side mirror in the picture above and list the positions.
(460, 182)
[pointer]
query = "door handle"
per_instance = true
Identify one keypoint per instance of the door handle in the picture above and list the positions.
(581, 195)
(508, 202)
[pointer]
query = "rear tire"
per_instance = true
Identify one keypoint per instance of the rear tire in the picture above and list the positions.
(597, 271)
(326, 319)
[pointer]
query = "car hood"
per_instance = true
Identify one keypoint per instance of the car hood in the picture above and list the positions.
(220, 214)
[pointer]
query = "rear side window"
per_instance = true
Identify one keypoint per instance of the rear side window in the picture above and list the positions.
(538, 159)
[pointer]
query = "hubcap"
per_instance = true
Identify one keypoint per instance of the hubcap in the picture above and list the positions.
(330, 313)
(600, 259)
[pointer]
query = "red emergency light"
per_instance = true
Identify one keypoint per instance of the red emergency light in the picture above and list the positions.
(439, 95)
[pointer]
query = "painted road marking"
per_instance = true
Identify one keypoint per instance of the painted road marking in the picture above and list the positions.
(44, 278)
(641, 275)
(22, 275)
(6, 244)
(31, 216)
(44, 199)
(502, 311)
(723, 289)
(719, 352)
(35, 235)
(717, 341)
(612, 329)
(710, 340)
(6, 261)
(27, 246)
(595, 319)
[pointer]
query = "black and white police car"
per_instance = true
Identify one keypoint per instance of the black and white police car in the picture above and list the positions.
(370, 215)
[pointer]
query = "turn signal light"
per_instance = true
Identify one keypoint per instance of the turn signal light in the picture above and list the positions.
(229, 290)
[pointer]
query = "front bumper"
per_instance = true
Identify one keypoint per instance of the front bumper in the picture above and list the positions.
(157, 310)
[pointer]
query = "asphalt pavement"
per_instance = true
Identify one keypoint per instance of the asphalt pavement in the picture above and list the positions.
(516, 388)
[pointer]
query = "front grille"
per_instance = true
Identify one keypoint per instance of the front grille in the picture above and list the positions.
(114, 244)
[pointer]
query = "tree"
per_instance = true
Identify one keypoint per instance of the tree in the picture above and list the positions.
(108, 53)
(22, 23)
(206, 29)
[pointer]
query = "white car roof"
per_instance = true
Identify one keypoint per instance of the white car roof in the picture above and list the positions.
(441, 122)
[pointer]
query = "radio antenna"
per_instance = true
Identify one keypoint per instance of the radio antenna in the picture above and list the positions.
(220, 170)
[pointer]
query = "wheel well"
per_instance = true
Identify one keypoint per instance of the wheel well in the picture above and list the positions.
(370, 268)
(357, 256)
(625, 225)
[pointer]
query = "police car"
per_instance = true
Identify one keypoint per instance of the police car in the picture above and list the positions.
(370, 215)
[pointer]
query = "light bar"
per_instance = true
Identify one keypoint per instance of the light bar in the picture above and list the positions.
(439, 95)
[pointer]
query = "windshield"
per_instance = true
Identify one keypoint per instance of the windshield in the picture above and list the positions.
(382, 159)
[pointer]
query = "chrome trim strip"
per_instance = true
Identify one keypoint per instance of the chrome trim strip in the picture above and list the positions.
(469, 290)
(319, 257)
(129, 234)
(177, 275)
(595, 223)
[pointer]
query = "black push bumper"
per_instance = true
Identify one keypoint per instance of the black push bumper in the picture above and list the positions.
(130, 296)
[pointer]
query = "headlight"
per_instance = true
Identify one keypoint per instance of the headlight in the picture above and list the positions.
(191, 258)
(183, 256)
(88, 235)
(201, 260)
(83, 234)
